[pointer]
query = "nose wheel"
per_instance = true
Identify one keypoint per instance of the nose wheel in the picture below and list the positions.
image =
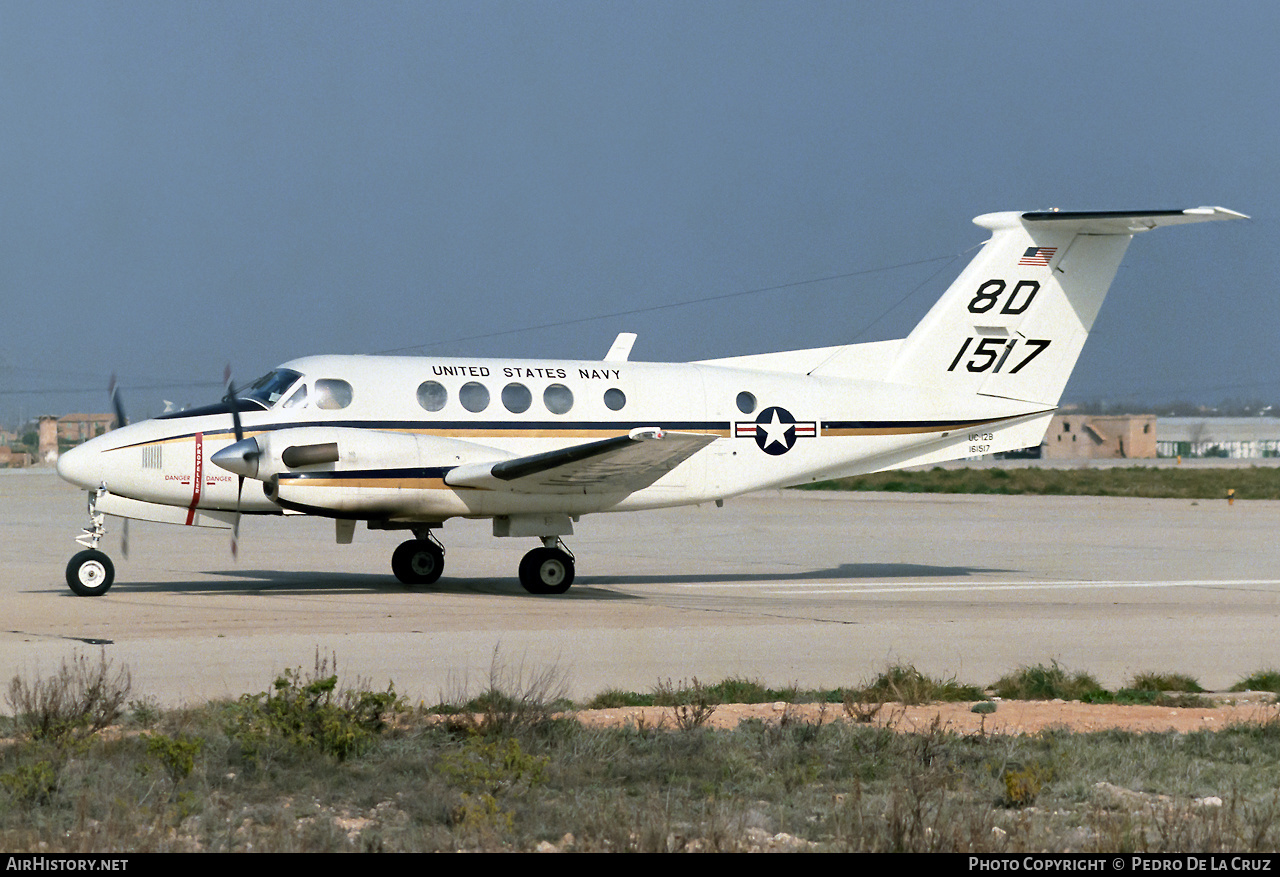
(547, 570)
(90, 573)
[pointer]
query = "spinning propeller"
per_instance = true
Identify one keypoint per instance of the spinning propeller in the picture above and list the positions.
(116, 404)
(121, 420)
(230, 399)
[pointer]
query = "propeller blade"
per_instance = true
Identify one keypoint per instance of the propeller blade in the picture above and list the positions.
(235, 526)
(230, 399)
(114, 389)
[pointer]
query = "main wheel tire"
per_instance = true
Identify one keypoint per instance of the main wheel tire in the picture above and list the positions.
(418, 562)
(546, 571)
(90, 573)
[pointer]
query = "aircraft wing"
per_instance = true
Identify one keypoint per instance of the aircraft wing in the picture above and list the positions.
(623, 464)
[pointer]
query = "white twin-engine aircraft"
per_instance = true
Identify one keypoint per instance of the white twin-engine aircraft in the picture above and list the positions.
(407, 443)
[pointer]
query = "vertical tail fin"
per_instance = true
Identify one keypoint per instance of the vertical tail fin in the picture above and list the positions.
(1013, 323)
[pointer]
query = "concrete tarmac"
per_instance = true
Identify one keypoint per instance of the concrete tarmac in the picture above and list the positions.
(819, 589)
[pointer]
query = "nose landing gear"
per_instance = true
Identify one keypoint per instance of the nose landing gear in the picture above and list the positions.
(90, 573)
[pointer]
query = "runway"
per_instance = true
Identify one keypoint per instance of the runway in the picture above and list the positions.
(819, 589)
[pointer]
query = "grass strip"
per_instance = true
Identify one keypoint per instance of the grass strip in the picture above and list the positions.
(1253, 482)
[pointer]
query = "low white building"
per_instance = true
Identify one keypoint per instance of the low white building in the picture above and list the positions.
(1237, 437)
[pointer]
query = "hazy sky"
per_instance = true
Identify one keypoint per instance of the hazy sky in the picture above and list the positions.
(187, 184)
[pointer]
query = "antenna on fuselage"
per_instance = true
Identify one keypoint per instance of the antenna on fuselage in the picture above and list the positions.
(621, 348)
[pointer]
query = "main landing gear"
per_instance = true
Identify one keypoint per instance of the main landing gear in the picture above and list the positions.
(419, 561)
(90, 572)
(545, 570)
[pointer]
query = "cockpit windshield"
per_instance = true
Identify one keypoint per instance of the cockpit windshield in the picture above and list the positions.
(268, 389)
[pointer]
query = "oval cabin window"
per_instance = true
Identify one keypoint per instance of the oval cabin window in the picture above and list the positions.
(332, 394)
(516, 398)
(432, 395)
(474, 397)
(558, 398)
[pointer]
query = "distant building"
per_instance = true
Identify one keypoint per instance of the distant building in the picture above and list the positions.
(11, 459)
(77, 428)
(1238, 437)
(1100, 436)
(58, 433)
(47, 439)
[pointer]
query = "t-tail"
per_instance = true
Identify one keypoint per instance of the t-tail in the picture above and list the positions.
(999, 346)
(1013, 323)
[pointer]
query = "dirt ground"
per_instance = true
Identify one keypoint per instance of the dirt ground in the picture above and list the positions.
(1010, 717)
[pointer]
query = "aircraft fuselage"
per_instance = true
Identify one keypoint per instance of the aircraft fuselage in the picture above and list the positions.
(772, 429)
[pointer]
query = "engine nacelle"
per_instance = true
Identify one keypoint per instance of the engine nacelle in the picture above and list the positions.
(350, 472)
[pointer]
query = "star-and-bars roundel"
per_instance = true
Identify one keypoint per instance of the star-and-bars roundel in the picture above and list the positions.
(775, 430)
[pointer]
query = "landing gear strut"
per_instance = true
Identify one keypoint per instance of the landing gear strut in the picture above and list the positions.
(90, 573)
(547, 570)
(419, 561)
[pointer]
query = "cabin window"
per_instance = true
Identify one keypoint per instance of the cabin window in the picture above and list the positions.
(298, 399)
(474, 397)
(558, 398)
(332, 394)
(516, 398)
(746, 402)
(432, 395)
(614, 399)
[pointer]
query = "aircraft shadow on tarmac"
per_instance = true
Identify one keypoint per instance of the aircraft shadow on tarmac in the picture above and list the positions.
(845, 572)
(586, 587)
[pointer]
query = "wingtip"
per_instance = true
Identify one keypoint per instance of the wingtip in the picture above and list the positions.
(1216, 213)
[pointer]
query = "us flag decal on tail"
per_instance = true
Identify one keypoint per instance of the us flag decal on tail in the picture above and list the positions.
(1037, 256)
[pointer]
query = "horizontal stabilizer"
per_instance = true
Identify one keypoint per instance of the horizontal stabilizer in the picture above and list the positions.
(1121, 222)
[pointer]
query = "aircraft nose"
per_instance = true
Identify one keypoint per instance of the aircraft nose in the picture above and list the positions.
(240, 458)
(82, 466)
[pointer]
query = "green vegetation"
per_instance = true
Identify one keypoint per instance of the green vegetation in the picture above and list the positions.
(1049, 682)
(1165, 682)
(1254, 482)
(1053, 682)
(304, 714)
(316, 765)
(906, 684)
(900, 683)
(1264, 680)
(1163, 689)
(81, 699)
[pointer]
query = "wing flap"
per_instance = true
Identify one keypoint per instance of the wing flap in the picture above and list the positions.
(623, 464)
